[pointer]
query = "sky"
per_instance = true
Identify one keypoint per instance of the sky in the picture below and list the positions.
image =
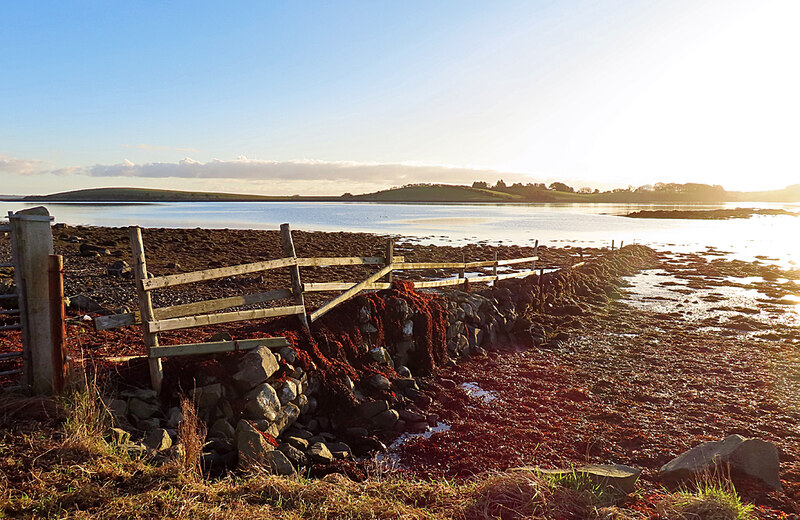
(322, 98)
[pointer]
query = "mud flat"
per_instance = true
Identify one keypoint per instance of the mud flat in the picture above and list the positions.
(710, 214)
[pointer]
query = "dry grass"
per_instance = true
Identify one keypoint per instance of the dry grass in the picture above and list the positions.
(191, 435)
(714, 498)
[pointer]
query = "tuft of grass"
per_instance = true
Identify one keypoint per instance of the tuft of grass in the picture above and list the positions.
(712, 499)
(191, 436)
(87, 419)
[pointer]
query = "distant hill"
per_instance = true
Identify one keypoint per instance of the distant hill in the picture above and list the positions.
(144, 195)
(437, 193)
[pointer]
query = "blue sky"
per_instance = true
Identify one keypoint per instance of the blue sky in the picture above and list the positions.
(327, 97)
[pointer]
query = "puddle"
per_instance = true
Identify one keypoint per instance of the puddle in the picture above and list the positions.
(391, 453)
(473, 390)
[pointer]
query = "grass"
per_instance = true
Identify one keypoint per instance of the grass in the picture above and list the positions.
(713, 498)
(55, 463)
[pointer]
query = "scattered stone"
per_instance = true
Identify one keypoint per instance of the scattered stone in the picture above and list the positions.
(174, 417)
(251, 444)
(262, 403)
(319, 452)
(254, 368)
(370, 409)
(753, 457)
(295, 455)
(403, 371)
(412, 416)
(297, 442)
(91, 250)
(221, 429)
(276, 462)
(120, 268)
(142, 409)
(340, 450)
(380, 382)
(221, 336)
(82, 303)
(120, 436)
(157, 440)
(380, 355)
(298, 432)
(207, 396)
(386, 419)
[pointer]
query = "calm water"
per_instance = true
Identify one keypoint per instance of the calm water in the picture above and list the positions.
(558, 224)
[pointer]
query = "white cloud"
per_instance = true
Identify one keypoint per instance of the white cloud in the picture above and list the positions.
(158, 148)
(10, 164)
(387, 174)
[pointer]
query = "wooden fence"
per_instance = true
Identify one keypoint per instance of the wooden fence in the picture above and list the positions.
(155, 320)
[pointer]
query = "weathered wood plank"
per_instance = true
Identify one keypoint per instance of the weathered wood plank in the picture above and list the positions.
(213, 274)
(341, 286)
(145, 305)
(344, 260)
(16, 326)
(7, 264)
(206, 306)
(294, 272)
(8, 296)
(217, 346)
(187, 322)
(10, 312)
(517, 260)
(351, 292)
(429, 284)
(5, 228)
(426, 265)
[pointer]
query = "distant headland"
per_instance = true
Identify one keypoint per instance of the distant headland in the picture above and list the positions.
(479, 191)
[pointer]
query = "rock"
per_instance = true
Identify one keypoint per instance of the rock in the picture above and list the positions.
(288, 392)
(386, 419)
(295, 455)
(119, 436)
(91, 250)
(158, 440)
(251, 444)
(380, 382)
(298, 432)
(620, 477)
(174, 417)
(221, 429)
(262, 403)
(297, 442)
(356, 431)
(399, 310)
(82, 303)
(370, 409)
(220, 336)
(289, 354)
(148, 424)
(405, 382)
(367, 446)
(753, 457)
(412, 416)
(408, 329)
(276, 462)
(207, 396)
(403, 371)
(119, 268)
(286, 417)
(142, 409)
(117, 407)
(254, 368)
(340, 450)
(380, 355)
(319, 452)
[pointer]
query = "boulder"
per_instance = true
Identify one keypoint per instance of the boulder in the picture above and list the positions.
(262, 402)
(370, 409)
(297, 442)
(753, 457)
(380, 355)
(158, 439)
(288, 392)
(289, 354)
(91, 250)
(142, 409)
(208, 396)
(119, 268)
(221, 429)
(276, 462)
(319, 452)
(295, 455)
(251, 444)
(174, 417)
(254, 368)
(83, 303)
(380, 382)
(386, 419)
(339, 450)
(286, 417)
(119, 436)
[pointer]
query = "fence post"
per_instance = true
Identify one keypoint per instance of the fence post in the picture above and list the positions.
(32, 243)
(390, 258)
(294, 271)
(535, 254)
(494, 269)
(145, 305)
(462, 273)
(612, 245)
(55, 270)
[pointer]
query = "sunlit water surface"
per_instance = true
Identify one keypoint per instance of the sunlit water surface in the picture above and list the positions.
(773, 237)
